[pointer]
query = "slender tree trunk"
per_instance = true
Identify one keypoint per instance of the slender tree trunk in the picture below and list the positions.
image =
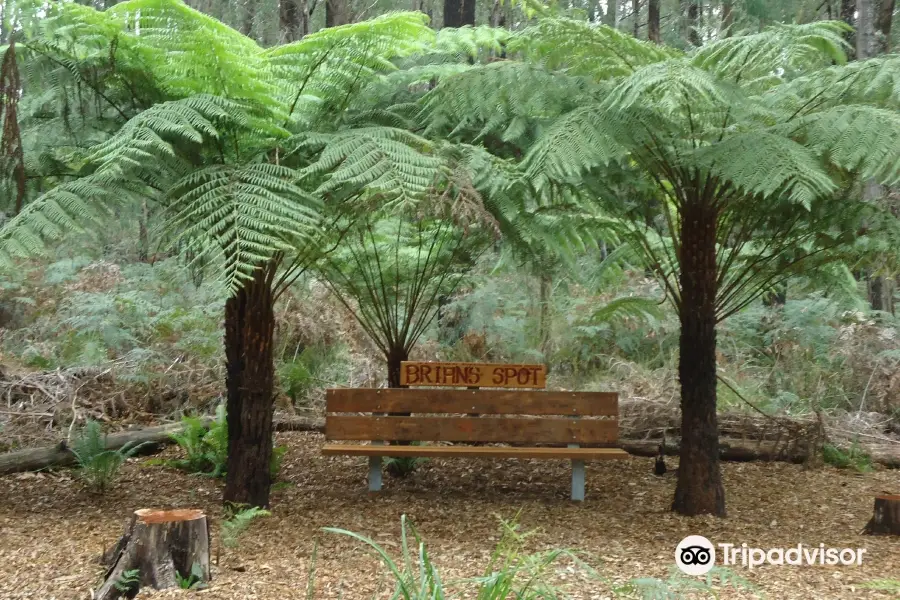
(250, 383)
(876, 292)
(610, 18)
(865, 29)
(699, 489)
(884, 19)
(693, 23)
(636, 9)
(249, 15)
(143, 237)
(848, 12)
(293, 19)
(653, 22)
(458, 13)
(337, 12)
(727, 17)
(10, 136)
(544, 323)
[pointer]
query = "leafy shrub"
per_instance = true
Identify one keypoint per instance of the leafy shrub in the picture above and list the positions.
(194, 579)
(205, 448)
(237, 520)
(853, 457)
(97, 466)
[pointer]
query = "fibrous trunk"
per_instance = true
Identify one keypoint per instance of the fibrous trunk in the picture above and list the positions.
(699, 489)
(249, 334)
(337, 12)
(885, 517)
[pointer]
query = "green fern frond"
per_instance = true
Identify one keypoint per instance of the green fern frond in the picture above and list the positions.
(582, 48)
(780, 51)
(250, 212)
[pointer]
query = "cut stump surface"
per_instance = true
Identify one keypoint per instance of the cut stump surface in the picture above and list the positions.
(157, 545)
(886, 516)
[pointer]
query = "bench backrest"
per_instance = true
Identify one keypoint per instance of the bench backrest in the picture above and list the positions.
(439, 415)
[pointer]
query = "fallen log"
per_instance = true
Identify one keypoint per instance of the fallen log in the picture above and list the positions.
(59, 455)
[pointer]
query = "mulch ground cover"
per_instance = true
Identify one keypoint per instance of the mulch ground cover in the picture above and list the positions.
(52, 531)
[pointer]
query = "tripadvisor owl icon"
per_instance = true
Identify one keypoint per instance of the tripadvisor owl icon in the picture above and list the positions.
(695, 555)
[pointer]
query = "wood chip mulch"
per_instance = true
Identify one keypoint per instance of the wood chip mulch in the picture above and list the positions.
(51, 531)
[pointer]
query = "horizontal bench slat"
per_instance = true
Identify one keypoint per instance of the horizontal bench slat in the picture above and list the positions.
(490, 402)
(475, 452)
(464, 429)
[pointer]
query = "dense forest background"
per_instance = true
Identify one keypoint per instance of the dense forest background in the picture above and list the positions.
(140, 318)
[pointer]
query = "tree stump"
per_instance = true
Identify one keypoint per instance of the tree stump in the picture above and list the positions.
(886, 517)
(157, 545)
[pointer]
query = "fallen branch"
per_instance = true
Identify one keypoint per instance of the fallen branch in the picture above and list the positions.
(34, 459)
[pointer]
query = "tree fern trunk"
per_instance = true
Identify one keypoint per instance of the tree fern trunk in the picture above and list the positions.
(249, 334)
(636, 9)
(848, 12)
(699, 489)
(727, 17)
(653, 22)
(337, 12)
(544, 323)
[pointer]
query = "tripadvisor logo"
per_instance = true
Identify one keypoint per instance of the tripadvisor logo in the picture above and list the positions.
(696, 555)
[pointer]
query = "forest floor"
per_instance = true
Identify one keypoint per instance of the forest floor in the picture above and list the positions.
(52, 532)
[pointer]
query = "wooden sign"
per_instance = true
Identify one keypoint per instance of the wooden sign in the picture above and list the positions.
(447, 374)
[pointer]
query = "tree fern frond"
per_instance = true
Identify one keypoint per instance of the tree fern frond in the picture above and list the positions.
(766, 164)
(392, 165)
(250, 212)
(779, 51)
(582, 48)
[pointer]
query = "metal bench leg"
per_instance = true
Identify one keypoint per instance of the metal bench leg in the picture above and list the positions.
(577, 478)
(374, 473)
(375, 469)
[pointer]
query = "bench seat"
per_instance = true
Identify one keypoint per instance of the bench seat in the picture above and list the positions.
(586, 454)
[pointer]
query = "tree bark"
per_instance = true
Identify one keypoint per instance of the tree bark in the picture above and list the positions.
(653, 22)
(727, 17)
(884, 19)
(699, 489)
(458, 13)
(158, 544)
(636, 9)
(546, 287)
(693, 23)
(250, 384)
(337, 12)
(886, 516)
(848, 11)
(610, 18)
(865, 29)
(294, 19)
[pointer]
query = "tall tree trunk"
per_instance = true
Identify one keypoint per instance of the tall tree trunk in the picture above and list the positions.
(636, 9)
(653, 22)
(727, 17)
(250, 383)
(692, 23)
(293, 17)
(884, 18)
(699, 489)
(865, 29)
(337, 12)
(10, 136)
(848, 12)
(544, 323)
(459, 12)
(610, 17)
(249, 15)
(143, 236)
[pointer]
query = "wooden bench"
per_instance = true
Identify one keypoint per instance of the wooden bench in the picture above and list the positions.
(576, 426)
